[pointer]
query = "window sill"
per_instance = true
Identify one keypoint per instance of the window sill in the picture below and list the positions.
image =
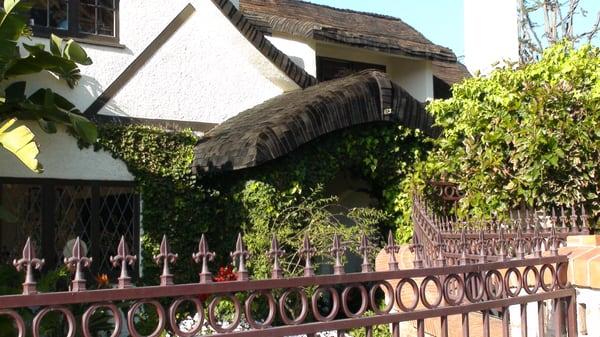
(103, 41)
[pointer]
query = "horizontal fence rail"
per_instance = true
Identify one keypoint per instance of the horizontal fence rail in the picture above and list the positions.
(298, 305)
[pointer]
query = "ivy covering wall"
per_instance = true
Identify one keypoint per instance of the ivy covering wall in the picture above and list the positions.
(182, 205)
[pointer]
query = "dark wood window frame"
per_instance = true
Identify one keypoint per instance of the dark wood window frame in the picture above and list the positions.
(352, 66)
(74, 32)
(48, 201)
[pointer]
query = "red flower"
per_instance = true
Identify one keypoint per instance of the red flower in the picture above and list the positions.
(224, 274)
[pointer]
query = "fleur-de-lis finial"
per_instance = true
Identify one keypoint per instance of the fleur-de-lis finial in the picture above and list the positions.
(553, 240)
(275, 254)
(440, 246)
(203, 256)
(392, 249)
(574, 225)
(585, 228)
(364, 251)
(520, 241)
(417, 249)
(122, 259)
(29, 262)
(308, 251)
(337, 249)
(502, 244)
(463, 247)
(76, 263)
(240, 255)
(482, 246)
(166, 257)
(537, 242)
(563, 220)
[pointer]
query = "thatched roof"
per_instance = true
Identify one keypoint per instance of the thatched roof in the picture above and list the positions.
(282, 124)
(450, 72)
(358, 29)
(257, 38)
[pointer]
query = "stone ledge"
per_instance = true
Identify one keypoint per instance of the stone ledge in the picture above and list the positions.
(584, 260)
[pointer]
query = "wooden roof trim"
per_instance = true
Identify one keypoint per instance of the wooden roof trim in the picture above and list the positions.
(264, 46)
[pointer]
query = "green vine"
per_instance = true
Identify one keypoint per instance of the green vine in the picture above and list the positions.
(182, 206)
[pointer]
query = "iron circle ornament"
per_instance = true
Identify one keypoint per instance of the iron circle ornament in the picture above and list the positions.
(388, 290)
(173, 316)
(507, 283)
(37, 320)
(536, 280)
(461, 289)
(335, 304)
(131, 318)
(561, 270)
(116, 314)
(272, 309)
(489, 283)
(478, 286)
(423, 292)
(303, 301)
(19, 322)
(364, 300)
(415, 289)
(212, 317)
(552, 276)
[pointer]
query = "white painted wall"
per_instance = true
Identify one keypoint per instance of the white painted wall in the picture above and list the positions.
(414, 75)
(207, 72)
(62, 159)
(301, 52)
(491, 33)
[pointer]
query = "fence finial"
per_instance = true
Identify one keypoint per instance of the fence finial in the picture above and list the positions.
(537, 242)
(563, 220)
(308, 251)
(574, 225)
(391, 249)
(165, 255)
(275, 253)
(482, 246)
(76, 263)
(553, 240)
(338, 249)
(29, 262)
(585, 228)
(520, 249)
(417, 250)
(502, 243)
(239, 257)
(122, 259)
(440, 246)
(203, 256)
(463, 247)
(364, 250)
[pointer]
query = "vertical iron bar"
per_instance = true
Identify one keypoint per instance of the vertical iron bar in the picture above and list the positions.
(559, 318)
(420, 328)
(465, 325)
(505, 322)
(486, 323)
(541, 322)
(395, 329)
(572, 316)
(581, 312)
(368, 331)
(444, 326)
(524, 320)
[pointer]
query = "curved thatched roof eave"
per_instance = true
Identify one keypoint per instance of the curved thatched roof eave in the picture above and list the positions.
(282, 124)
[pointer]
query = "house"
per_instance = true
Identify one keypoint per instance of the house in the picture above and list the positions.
(254, 79)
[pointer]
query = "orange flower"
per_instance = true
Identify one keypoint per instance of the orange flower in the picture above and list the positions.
(102, 280)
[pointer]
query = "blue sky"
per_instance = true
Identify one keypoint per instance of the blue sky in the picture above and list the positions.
(441, 21)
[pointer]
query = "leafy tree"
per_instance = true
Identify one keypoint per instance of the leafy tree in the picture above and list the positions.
(46, 107)
(526, 135)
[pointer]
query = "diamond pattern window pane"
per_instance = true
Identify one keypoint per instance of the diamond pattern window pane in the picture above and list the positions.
(117, 217)
(73, 216)
(24, 202)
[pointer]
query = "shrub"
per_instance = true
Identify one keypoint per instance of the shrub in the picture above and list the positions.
(526, 135)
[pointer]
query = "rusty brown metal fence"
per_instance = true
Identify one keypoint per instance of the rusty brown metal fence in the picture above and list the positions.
(456, 273)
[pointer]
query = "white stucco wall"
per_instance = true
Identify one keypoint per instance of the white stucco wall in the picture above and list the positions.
(491, 33)
(414, 75)
(207, 72)
(62, 159)
(301, 52)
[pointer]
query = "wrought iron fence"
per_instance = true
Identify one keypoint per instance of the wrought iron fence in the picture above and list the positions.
(308, 304)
